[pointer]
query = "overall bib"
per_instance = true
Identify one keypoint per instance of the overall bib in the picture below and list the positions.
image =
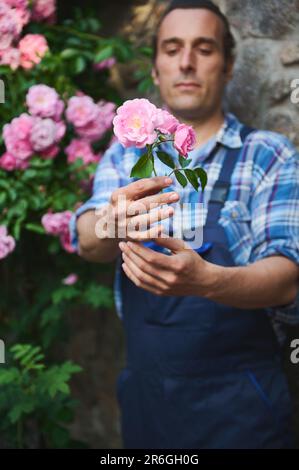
(199, 374)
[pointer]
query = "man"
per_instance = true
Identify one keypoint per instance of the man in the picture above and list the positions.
(203, 363)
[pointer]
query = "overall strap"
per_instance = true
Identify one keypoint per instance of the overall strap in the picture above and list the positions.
(222, 185)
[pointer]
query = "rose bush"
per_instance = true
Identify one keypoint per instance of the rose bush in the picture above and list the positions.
(56, 122)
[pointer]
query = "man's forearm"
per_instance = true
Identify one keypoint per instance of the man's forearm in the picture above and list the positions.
(269, 282)
(91, 247)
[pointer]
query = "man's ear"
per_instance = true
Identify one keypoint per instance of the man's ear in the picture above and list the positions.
(155, 76)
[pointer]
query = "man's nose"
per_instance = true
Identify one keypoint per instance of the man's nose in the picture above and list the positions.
(187, 60)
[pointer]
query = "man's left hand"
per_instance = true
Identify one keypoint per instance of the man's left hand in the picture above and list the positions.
(182, 273)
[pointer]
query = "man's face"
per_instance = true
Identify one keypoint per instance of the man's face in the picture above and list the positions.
(190, 64)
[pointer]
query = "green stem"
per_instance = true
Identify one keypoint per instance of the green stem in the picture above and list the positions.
(162, 142)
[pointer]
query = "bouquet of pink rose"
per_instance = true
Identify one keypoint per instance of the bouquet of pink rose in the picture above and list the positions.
(141, 124)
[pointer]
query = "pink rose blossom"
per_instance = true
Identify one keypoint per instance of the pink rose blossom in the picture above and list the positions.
(65, 240)
(9, 162)
(105, 64)
(81, 110)
(93, 131)
(43, 134)
(58, 224)
(134, 123)
(32, 49)
(184, 139)
(107, 112)
(70, 279)
(44, 10)
(42, 101)
(50, 152)
(22, 16)
(22, 4)
(17, 136)
(165, 122)
(7, 242)
(10, 26)
(11, 57)
(79, 148)
(58, 110)
(96, 128)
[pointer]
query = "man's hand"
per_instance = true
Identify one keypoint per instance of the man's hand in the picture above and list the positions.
(182, 273)
(269, 282)
(129, 214)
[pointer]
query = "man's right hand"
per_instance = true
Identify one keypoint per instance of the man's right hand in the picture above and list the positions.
(128, 216)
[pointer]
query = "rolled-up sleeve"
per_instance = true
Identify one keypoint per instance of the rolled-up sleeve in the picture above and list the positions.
(109, 176)
(275, 208)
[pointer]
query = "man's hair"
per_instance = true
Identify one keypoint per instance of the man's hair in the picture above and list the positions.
(228, 39)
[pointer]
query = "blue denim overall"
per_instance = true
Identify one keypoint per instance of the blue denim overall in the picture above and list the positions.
(199, 374)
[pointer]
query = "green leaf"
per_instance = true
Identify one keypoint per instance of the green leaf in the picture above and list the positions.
(19, 409)
(64, 293)
(183, 161)
(192, 178)
(181, 178)
(98, 296)
(69, 53)
(143, 168)
(80, 64)
(104, 54)
(202, 175)
(166, 159)
(35, 228)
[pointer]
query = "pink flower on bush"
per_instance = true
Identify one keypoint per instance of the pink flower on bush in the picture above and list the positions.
(43, 134)
(32, 49)
(107, 112)
(184, 139)
(79, 148)
(22, 4)
(11, 57)
(10, 26)
(65, 240)
(43, 10)
(81, 110)
(22, 16)
(44, 101)
(93, 131)
(70, 280)
(50, 152)
(9, 162)
(105, 64)
(58, 224)
(165, 122)
(17, 136)
(134, 123)
(7, 242)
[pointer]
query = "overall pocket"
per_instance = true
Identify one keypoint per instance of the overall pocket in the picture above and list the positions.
(268, 397)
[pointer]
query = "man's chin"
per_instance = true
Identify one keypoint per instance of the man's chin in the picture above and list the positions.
(186, 110)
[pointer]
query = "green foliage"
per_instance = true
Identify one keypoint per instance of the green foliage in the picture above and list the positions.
(34, 304)
(31, 389)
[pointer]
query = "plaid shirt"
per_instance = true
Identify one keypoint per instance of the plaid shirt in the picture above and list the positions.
(261, 213)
